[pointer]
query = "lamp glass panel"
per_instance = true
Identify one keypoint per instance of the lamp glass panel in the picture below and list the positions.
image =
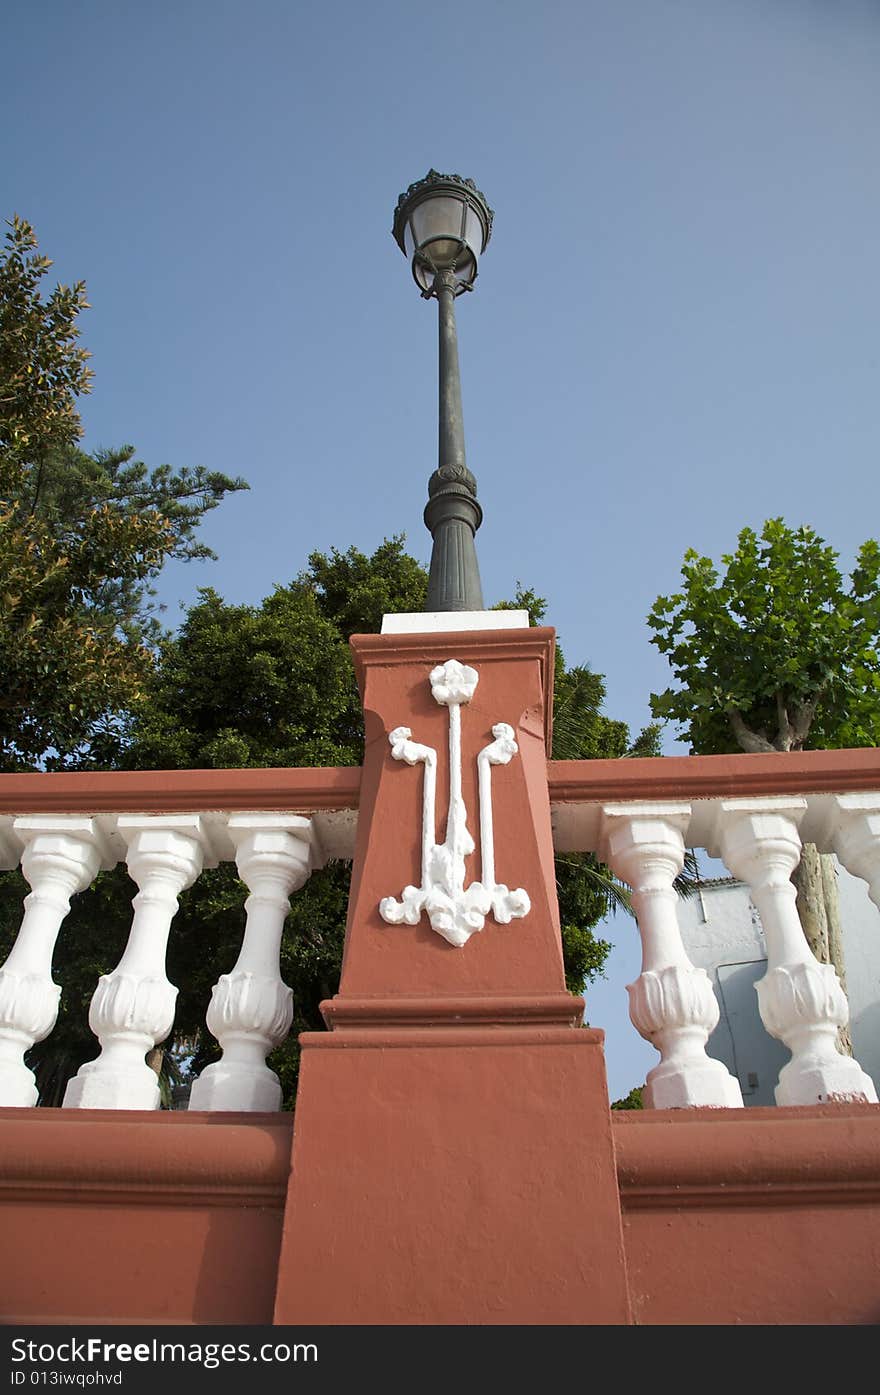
(424, 277)
(438, 221)
(474, 230)
(466, 267)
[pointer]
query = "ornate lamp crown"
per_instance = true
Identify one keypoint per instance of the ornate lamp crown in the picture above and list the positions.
(434, 182)
(443, 224)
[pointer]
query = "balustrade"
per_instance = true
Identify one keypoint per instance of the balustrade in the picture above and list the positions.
(800, 1000)
(251, 1008)
(132, 1009)
(638, 816)
(672, 1003)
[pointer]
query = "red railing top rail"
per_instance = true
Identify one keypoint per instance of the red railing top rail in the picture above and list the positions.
(302, 790)
(329, 788)
(718, 777)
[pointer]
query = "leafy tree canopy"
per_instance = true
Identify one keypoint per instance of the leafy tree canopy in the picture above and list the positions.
(778, 652)
(43, 368)
(634, 1100)
(272, 685)
(81, 536)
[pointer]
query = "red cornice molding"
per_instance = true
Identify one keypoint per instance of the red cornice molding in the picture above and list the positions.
(690, 1159)
(86, 1155)
(537, 641)
(543, 1010)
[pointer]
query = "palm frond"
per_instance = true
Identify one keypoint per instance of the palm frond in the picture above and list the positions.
(689, 880)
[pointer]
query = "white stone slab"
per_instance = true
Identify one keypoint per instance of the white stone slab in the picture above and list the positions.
(447, 621)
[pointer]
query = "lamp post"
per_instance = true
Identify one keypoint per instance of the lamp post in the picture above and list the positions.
(443, 224)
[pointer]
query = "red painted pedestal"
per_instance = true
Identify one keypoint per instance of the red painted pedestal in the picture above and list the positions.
(453, 1158)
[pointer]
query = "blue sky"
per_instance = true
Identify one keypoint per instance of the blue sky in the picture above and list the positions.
(674, 332)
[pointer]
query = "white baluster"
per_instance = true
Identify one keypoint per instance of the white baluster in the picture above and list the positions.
(62, 855)
(251, 1008)
(10, 845)
(672, 1003)
(133, 1007)
(800, 1000)
(856, 837)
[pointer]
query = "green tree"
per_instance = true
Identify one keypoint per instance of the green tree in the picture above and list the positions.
(43, 368)
(634, 1100)
(81, 536)
(274, 685)
(778, 653)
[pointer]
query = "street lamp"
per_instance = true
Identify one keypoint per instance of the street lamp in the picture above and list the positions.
(443, 224)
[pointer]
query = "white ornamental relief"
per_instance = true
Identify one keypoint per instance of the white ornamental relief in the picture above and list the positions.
(454, 910)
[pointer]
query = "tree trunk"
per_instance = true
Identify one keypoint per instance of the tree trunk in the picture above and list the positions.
(815, 880)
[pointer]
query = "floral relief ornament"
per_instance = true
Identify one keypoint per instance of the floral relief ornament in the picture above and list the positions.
(455, 911)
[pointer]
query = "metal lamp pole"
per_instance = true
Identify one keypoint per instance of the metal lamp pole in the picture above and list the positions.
(443, 223)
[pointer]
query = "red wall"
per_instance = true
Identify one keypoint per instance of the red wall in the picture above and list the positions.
(763, 1216)
(140, 1218)
(752, 1216)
